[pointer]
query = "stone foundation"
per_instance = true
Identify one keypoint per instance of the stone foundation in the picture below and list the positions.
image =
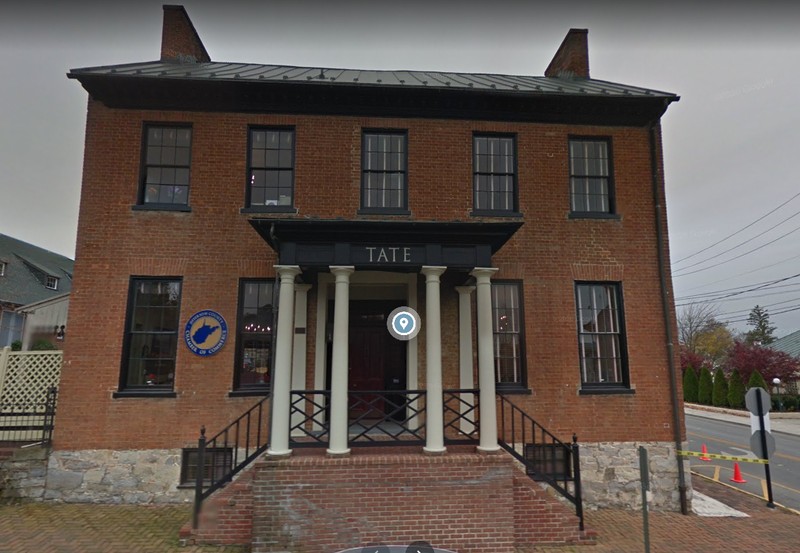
(610, 475)
(23, 473)
(105, 476)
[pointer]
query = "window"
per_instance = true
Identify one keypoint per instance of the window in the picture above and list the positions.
(217, 461)
(254, 343)
(271, 168)
(591, 186)
(601, 336)
(383, 172)
(2, 268)
(167, 153)
(151, 339)
(509, 359)
(494, 173)
(51, 282)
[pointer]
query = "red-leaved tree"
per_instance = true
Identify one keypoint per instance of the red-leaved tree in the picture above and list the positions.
(770, 363)
(692, 359)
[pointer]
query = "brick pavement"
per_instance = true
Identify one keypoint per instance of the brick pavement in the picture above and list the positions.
(65, 528)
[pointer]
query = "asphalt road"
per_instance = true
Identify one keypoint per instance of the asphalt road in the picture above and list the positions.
(732, 439)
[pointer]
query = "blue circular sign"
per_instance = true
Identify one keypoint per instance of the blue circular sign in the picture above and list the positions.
(206, 333)
(403, 323)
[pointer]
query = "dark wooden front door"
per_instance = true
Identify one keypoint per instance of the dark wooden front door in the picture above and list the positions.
(377, 361)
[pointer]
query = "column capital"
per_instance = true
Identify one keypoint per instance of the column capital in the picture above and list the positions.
(432, 272)
(287, 272)
(341, 270)
(465, 289)
(483, 274)
(302, 287)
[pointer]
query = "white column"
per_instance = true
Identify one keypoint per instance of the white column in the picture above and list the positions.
(300, 342)
(486, 379)
(434, 415)
(339, 362)
(282, 381)
(466, 380)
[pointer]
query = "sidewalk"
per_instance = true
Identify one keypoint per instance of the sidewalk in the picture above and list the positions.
(788, 423)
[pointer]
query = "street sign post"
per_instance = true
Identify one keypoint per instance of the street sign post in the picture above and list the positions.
(762, 442)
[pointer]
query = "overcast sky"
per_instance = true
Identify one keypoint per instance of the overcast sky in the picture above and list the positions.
(730, 143)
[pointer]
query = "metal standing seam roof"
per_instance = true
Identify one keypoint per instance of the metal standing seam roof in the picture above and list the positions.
(223, 71)
(788, 344)
(20, 285)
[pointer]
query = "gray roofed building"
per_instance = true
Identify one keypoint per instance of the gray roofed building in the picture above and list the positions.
(28, 274)
(789, 344)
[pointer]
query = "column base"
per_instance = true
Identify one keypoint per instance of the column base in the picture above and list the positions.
(488, 450)
(342, 453)
(284, 453)
(437, 451)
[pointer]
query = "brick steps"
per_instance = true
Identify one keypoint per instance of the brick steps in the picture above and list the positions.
(467, 502)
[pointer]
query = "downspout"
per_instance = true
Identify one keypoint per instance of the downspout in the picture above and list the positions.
(665, 305)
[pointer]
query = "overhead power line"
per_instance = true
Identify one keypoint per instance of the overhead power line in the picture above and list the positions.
(748, 287)
(738, 231)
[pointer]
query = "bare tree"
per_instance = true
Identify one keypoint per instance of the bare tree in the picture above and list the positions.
(695, 320)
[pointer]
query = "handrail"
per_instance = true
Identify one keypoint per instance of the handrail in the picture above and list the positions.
(546, 458)
(246, 437)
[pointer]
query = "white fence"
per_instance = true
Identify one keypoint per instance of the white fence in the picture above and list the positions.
(26, 378)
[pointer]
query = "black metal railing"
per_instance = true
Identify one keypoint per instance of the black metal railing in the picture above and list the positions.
(222, 456)
(461, 416)
(544, 456)
(309, 426)
(29, 422)
(386, 417)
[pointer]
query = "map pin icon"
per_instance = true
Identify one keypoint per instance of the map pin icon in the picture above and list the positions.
(403, 323)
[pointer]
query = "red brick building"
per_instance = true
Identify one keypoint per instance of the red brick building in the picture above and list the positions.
(246, 231)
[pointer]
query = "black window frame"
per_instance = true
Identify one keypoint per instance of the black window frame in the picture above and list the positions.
(482, 211)
(141, 203)
(522, 384)
(623, 385)
(146, 390)
(367, 210)
(239, 389)
(217, 460)
(611, 213)
(259, 208)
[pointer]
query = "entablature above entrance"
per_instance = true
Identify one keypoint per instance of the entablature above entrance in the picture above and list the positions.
(385, 245)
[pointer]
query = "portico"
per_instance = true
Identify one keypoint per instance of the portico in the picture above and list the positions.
(366, 268)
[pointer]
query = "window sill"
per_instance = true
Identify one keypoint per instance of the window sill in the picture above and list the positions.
(513, 391)
(491, 213)
(159, 394)
(606, 391)
(162, 207)
(381, 211)
(269, 209)
(591, 215)
(249, 393)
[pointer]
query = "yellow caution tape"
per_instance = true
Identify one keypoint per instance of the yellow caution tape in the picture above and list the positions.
(723, 457)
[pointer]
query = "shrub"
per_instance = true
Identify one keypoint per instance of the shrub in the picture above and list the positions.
(705, 387)
(757, 381)
(690, 385)
(42, 345)
(16, 345)
(719, 396)
(736, 391)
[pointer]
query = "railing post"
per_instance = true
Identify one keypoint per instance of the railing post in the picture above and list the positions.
(49, 416)
(198, 483)
(576, 474)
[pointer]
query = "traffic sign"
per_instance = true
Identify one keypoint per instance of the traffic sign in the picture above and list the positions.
(756, 444)
(751, 401)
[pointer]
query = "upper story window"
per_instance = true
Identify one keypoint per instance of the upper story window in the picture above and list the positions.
(591, 183)
(601, 335)
(151, 337)
(507, 322)
(166, 162)
(271, 169)
(384, 160)
(2, 268)
(254, 340)
(494, 173)
(51, 282)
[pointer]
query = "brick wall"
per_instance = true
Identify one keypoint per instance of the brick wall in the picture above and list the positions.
(213, 246)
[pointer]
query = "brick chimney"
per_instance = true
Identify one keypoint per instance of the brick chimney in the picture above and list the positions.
(179, 39)
(572, 57)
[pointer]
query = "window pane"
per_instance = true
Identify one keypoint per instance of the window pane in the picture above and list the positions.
(507, 323)
(494, 173)
(589, 176)
(167, 161)
(254, 344)
(599, 334)
(272, 150)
